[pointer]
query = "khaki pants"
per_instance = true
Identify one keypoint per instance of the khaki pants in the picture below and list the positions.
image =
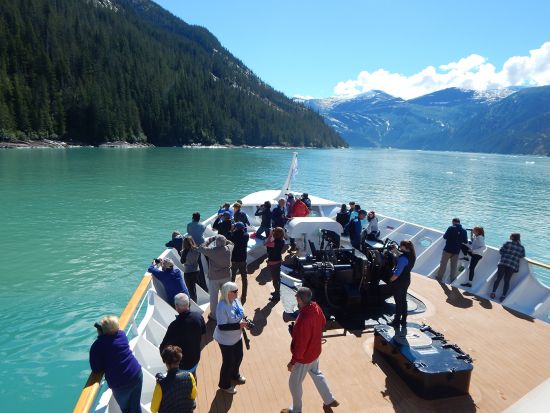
(445, 257)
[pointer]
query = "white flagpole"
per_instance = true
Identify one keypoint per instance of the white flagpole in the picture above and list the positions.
(292, 172)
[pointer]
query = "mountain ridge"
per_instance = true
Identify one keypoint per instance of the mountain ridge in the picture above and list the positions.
(448, 119)
(96, 71)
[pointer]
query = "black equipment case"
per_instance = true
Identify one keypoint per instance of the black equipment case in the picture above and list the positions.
(422, 357)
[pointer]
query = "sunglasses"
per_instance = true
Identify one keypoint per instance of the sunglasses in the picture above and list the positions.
(235, 291)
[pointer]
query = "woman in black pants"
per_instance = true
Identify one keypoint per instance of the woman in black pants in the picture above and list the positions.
(400, 281)
(228, 334)
(475, 250)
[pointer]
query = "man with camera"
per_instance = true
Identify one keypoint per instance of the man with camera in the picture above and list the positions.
(306, 335)
(170, 278)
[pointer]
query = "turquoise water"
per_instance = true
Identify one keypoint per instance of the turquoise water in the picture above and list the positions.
(80, 226)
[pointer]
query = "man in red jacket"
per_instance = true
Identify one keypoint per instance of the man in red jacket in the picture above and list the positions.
(306, 349)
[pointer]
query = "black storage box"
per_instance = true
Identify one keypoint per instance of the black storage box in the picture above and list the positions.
(422, 357)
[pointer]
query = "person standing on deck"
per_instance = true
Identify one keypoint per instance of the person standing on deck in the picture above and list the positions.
(176, 242)
(190, 259)
(274, 245)
(228, 334)
(111, 354)
(298, 210)
(176, 390)
(239, 215)
(263, 211)
(278, 215)
(306, 335)
(354, 229)
(455, 236)
(475, 250)
(239, 237)
(186, 332)
(342, 217)
(218, 251)
(400, 281)
(196, 229)
(510, 255)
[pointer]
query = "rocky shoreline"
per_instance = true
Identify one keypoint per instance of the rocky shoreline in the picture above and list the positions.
(46, 143)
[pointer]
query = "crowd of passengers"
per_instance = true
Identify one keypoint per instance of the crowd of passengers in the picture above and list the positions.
(226, 254)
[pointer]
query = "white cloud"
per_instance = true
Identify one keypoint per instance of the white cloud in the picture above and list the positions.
(471, 72)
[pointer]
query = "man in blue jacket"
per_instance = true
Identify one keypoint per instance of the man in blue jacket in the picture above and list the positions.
(454, 237)
(354, 228)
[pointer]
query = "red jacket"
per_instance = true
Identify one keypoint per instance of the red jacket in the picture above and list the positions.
(307, 333)
(299, 209)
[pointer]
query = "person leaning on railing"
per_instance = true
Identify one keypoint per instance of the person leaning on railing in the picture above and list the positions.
(111, 354)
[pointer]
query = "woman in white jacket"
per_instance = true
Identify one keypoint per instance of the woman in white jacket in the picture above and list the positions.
(475, 250)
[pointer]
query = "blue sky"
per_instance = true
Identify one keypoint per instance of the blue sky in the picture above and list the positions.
(324, 48)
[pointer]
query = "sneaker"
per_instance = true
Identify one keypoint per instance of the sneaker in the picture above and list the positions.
(289, 411)
(466, 285)
(502, 297)
(240, 380)
(230, 390)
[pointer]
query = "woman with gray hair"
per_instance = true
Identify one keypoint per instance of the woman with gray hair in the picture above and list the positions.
(228, 334)
(111, 354)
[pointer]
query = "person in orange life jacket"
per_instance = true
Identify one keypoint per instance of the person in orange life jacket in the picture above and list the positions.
(354, 229)
(400, 281)
(275, 244)
(306, 335)
(176, 391)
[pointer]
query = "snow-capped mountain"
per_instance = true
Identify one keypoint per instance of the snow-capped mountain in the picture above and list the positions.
(442, 120)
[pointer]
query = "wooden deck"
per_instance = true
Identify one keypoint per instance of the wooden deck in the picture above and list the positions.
(511, 356)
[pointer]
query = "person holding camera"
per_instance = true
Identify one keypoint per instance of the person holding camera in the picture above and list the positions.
(176, 390)
(170, 278)
(110, 353)
(400, 281)
(305, 347)
(228, 333)
(263, 211)
(218, 250)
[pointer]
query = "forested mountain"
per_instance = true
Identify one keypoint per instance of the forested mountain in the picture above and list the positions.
(95, 71)
(515, 120)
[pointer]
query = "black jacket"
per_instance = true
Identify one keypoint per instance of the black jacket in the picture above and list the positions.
(186, 332)
(240, 239)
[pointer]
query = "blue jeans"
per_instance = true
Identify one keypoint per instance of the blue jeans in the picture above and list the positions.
(128, 396)
(261, 230)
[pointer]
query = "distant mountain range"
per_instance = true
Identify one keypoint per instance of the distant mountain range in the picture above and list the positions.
(513, 120)
(96, 71)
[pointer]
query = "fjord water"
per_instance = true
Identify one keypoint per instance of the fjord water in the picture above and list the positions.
(80, 226)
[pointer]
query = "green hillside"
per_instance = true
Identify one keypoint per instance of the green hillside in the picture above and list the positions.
(99, 71)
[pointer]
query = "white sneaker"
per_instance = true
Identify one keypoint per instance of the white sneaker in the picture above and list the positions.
(230, 390)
